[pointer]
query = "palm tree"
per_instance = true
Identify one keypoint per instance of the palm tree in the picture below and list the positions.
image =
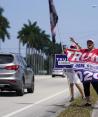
(28, 35)
(33, 36)
(4, 25)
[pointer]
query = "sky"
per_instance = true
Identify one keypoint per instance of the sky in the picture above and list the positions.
(77, 18)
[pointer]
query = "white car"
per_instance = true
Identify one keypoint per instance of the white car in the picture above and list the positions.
(58, 72)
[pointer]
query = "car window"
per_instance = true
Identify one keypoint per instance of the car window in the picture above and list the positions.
(4, 59)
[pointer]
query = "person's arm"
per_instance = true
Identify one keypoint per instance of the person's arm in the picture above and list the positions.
(72, 39)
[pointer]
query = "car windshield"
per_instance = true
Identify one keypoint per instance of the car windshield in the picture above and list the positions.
(4, 59)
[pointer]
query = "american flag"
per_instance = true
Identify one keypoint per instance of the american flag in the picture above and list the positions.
(53, 19)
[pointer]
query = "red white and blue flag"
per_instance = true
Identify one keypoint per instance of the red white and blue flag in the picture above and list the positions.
(85, 63)
(53, 19)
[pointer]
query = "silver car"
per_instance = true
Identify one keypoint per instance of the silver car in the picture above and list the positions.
(58, 72)
(15, 74)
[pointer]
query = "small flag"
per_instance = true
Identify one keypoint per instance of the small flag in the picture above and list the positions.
(53, 19)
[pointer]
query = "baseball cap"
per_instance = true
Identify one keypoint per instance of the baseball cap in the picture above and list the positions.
(90, 40)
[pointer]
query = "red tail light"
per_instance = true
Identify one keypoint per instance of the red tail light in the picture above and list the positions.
(12, 67)
(12, 81)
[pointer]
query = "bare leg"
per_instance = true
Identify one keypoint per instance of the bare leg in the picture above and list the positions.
(72, 90)
(80, 90)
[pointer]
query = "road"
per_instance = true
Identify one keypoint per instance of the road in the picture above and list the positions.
(49, 95)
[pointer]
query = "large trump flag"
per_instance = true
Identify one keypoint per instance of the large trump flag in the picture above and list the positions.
(53, 19)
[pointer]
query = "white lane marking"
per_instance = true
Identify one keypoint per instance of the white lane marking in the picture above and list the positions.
(31, 105)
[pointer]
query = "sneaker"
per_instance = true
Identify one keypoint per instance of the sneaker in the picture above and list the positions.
(87, 104)
(72, 99)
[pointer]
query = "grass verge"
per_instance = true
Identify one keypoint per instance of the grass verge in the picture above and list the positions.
(76, 108)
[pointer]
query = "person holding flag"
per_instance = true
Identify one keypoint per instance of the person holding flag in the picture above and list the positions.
(86, 84)
(73, 78)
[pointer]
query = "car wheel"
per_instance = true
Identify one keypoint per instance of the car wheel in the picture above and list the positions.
(31, 89)
(53, 75)
(20, 92)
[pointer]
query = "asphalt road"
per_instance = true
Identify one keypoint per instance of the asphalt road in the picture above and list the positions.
(49, 96)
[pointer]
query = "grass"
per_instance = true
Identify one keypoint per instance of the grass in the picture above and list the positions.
(76, 108)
